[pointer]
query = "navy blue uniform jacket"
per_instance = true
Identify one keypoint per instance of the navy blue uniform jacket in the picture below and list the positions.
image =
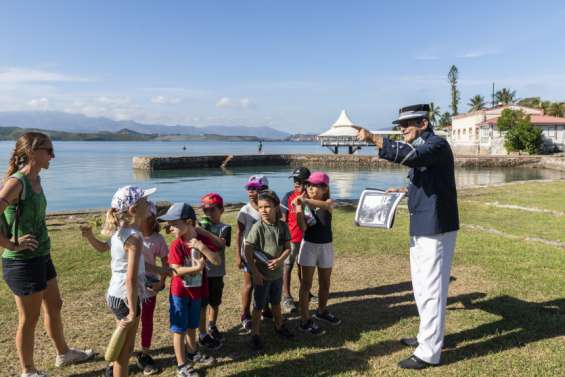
(432, 195)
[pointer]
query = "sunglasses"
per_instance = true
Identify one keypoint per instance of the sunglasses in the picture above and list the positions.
(51, 151)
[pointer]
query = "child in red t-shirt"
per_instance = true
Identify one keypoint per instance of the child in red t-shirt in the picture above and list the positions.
(188, 285)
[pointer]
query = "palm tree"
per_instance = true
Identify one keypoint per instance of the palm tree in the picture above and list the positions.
(555, 109)
(434, 113)
(452, 76)
(533, 102)
(477, 103)
(505, 96)
(444, 120)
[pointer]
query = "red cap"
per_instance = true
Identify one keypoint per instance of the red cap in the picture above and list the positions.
(212, 200)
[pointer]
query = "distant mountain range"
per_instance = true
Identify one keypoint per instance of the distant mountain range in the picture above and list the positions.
(78, 123)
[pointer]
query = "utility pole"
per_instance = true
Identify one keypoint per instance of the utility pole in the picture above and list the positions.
(492, 94)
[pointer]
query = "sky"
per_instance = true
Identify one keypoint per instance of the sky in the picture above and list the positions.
(290, 65)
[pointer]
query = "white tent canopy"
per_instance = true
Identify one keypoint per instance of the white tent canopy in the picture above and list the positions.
(343, 126)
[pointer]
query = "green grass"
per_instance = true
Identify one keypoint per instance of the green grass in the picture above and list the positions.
(506, 313)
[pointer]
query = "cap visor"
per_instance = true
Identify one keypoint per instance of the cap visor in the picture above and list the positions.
(149, 191)
(166, 217)
(406, 118)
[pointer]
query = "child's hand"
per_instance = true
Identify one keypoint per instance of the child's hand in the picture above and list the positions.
(85, 230)
(199, 264)
(125, 322)
(273, 264)
(258, 278)
(298, 203)
(196, 244)
(156, 287)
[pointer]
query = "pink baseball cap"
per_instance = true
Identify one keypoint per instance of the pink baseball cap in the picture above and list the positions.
(257, 182)
(318, 178)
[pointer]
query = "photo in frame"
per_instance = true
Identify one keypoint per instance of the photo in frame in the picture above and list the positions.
(376, 208)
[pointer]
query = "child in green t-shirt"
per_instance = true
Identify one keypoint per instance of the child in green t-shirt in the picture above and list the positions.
(267, 246)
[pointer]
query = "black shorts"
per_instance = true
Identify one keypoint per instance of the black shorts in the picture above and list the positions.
(119, 307)
(28, 276)
(215, 291)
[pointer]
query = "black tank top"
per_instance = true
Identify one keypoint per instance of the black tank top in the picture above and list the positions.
(321, 232)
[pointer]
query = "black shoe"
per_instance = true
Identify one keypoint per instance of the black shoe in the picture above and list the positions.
(256, 343)
(215, 333)
(409, 342)
(209, 342)
(414, 362)
(147, 364)
(109, 371)
(311, 327)
(327, 317)
(284, 332)
(267, 313)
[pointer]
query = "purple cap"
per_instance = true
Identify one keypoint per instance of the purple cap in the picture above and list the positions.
(257, 182)
(318, 178)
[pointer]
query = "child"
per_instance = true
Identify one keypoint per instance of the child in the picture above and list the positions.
(154, 246)
(267, 245)
(247, 216)
(188, 285)
(123, 221)
(316, 250)
(299, 176)
(213, 207)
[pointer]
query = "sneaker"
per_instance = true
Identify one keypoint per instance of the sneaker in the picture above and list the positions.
(34, 374)
(109, 371)
(267, 313)
(328, 317)
(246, 324)
(284, 332)
(146, 364)
(187, 370)
(209, 342)
(73, 356)
(200, 358)
(311, 327)
(256, 343)
(289, 306)
(313, 299)
(215, 333)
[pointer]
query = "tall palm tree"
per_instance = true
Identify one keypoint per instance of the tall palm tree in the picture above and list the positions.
(555, 109)
(505, 96)
(477, 103)
(452, 77)
(444, 120)
(434, 114)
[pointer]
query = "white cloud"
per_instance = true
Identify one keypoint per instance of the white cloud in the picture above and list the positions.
(165, 100)
(20, 75)
(246, 103)
(114, 100)
(39, 103)
(225, 102)
(477, 53)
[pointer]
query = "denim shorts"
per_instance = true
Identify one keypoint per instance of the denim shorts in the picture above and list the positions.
(184, 313)
(27, 276)
(271, 291)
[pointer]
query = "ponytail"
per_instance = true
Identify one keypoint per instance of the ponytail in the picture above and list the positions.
(115, 220)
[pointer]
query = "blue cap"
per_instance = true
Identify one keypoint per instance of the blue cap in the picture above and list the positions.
(179, 211)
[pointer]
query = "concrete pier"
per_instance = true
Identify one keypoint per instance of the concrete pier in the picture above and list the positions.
(320, 160)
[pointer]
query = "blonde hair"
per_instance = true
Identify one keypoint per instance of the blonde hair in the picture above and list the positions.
(115, 220)
(28, 142)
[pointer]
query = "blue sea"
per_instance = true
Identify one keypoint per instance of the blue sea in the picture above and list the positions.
(86, 174)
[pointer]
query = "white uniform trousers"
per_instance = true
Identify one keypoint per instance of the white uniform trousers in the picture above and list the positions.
(430, 266)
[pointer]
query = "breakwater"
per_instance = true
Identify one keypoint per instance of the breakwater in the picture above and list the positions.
(320, 160)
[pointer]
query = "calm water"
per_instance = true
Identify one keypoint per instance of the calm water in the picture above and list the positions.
(86, 174)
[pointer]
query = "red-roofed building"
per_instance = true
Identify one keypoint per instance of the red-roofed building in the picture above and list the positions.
(476, 132)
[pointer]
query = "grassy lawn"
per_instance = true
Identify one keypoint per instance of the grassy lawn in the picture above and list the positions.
(506, 312)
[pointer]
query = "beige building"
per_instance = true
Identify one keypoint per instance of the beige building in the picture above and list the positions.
(476, 132)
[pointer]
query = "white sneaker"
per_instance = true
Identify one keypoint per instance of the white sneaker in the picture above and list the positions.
(34, 374)
(73, 356)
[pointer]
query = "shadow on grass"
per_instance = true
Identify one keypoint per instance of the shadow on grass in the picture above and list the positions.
(522, 322)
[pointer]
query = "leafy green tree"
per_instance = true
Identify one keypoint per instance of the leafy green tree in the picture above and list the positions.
(477, 103)
(556, 109)
(519, 133)
(533, 102)
(444, 120)
(434, 113)
(453, 76)
(505, 96)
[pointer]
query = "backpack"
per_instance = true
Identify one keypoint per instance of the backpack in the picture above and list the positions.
(5, 227)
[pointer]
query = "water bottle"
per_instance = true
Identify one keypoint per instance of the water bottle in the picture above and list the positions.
(193, 280)
(309, 216)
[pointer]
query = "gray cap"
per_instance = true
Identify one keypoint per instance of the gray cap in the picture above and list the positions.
(178, 211)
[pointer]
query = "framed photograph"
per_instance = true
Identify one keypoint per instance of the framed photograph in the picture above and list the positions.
(376, 208)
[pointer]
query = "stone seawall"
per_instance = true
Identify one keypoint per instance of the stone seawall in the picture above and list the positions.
(322, 160)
